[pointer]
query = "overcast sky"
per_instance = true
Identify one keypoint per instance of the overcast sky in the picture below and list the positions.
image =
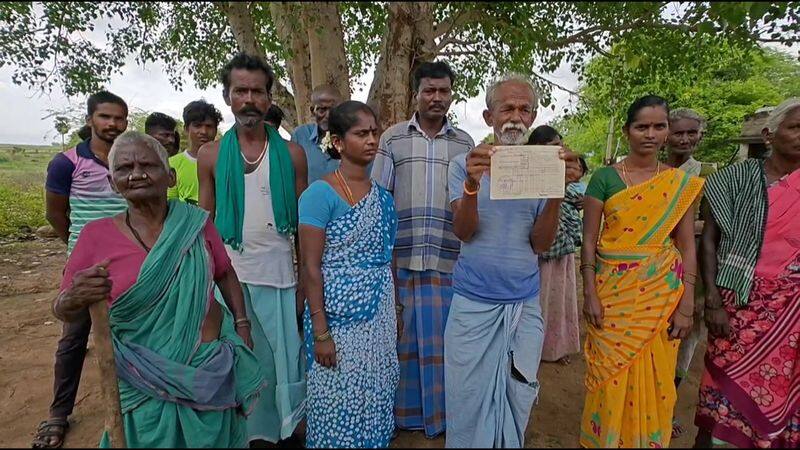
(148, 88)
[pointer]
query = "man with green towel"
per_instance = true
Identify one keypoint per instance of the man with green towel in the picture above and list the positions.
(250, 182)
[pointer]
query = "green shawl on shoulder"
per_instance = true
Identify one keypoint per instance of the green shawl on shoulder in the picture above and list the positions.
(230, 187)
(190, 389)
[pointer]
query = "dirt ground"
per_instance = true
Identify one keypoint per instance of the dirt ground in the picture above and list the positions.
(29, 275)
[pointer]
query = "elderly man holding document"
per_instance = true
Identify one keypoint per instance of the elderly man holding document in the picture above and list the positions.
(494, 332)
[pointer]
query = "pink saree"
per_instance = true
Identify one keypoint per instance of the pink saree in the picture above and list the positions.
(750, 392)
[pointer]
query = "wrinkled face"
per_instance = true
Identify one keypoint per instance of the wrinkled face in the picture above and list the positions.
(512, 112)
(165, 137)
(248, 97)
(321, 107)
(360, 143)
(684, 135)
(785, 141)
(139, 174)
(108, 121)
(649, 131)
(201, 132)
(434, 97)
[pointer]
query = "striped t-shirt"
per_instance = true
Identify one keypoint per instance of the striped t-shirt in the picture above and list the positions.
(78, 173)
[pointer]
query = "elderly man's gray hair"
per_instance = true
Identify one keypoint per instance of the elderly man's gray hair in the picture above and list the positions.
(778, 115)
(135, 138)
(509, 77)
(686, 113)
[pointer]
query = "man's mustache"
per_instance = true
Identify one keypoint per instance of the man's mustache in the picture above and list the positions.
(513, 126)
(250, 110)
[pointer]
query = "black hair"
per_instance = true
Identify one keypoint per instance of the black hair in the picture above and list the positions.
(543, 134)
(159, 120)
(177, 141)
(584, 166)
(644, 102)
(200, 110)
(101, 97)
(248, 62)
(85, 133)
(436, 69)
(274, 115)
(344, 117)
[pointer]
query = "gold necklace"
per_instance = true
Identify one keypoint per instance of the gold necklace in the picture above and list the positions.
(343, 184)
(625, 177)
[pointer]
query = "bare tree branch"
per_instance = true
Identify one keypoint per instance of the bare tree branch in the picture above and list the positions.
(779, 40)
(459, 53)
(445, 27)
(556, 85)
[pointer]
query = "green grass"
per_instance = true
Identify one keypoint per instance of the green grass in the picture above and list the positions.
(22, 175)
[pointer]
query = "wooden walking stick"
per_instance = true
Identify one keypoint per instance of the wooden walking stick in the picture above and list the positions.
(109, 387)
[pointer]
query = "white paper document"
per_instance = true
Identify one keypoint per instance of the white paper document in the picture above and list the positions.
(527, 171)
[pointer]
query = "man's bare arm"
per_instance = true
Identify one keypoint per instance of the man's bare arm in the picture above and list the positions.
(57, 214)
(300, 168)
(206, 165)
(300, 184)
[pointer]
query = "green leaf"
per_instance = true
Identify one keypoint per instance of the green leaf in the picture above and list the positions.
(759, 9)
(706, 27)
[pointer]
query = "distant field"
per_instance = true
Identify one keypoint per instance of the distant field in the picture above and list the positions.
(22, 176)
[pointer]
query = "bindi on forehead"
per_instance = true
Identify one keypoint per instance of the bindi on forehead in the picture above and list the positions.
(361, 129)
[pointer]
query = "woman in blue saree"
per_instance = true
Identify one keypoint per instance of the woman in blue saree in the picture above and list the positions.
(186, 374)
(347, 231)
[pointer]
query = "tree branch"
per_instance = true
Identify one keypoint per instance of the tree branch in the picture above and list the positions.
(461, 18)
(778, 40)
(554, 84)
(446, 29)
(459, 53)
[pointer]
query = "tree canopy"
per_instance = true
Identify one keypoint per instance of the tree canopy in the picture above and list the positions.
(56, 44)
(721, 80)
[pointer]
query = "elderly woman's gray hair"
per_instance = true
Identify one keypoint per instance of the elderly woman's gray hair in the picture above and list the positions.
(686, 113)
(497, 82)
(778, 115)
(137, 139)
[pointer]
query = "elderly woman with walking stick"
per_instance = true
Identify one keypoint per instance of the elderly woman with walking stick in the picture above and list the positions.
(186, 374)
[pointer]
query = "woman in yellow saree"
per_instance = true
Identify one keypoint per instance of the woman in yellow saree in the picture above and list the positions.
(638, 287)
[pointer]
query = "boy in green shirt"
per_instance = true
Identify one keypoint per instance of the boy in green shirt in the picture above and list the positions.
(201, 120)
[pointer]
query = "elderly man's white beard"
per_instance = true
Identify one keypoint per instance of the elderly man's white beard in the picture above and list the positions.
(512, 134)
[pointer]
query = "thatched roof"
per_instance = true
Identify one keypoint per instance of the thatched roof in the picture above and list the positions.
(752, 126)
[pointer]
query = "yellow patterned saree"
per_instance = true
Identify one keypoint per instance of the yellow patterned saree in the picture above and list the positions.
(631, 362)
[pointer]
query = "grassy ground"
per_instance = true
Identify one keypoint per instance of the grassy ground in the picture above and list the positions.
(22, 176)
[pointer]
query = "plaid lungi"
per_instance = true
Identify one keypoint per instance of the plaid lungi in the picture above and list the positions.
(426, 297)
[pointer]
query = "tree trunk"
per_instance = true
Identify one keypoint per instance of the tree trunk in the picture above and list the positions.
(291, 29)
(424, 45)
(326, 46)
(241, 21)
(390, 89)
(408, 42)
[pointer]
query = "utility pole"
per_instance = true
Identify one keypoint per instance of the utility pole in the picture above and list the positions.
(608, 160)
